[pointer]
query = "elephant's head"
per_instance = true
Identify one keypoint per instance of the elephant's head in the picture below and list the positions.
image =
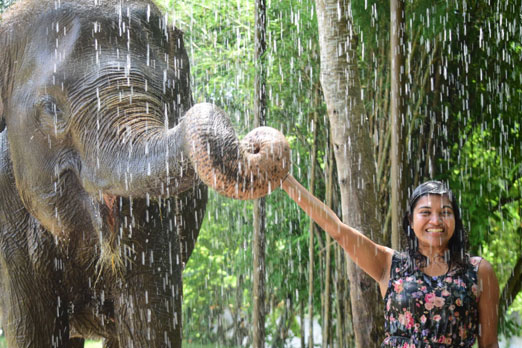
(96, 101)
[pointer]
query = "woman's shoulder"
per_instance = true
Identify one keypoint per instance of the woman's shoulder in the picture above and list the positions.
(485, 274)
(399, 257)
(475, 260)
(401, 263)
(481, 265)
(401, 254)
(468, 266)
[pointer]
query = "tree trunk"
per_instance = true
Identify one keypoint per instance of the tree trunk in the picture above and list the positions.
(284, 323)
(339, 296)
(353, 153)
(397, 116)
(238, 340)
(311, 240)
(327, 281)
(258, 320)
(302, 318)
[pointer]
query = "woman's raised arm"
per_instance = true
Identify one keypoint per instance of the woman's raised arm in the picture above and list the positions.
(371, 257)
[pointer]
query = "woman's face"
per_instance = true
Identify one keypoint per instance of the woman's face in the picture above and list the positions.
(433, 221)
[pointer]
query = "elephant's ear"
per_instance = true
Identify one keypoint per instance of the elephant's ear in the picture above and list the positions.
(177, 48)
(175, 39)
(180, 61)
(3, 73)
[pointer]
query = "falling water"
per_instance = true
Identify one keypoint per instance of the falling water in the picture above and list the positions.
(461, 124)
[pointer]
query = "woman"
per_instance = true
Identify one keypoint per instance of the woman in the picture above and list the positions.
(435, 294)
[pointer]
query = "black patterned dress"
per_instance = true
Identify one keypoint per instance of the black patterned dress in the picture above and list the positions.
(431, 312)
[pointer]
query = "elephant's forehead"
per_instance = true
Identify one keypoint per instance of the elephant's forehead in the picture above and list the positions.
(26, 12)
(71, 44)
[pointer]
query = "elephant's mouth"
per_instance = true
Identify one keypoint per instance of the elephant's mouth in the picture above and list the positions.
(93, 217)
(109, 212)
(109, 256)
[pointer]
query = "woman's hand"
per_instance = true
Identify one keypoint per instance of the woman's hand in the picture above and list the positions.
(372, 258)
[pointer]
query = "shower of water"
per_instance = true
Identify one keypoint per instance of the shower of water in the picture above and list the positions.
(462, 124)
(461, 121)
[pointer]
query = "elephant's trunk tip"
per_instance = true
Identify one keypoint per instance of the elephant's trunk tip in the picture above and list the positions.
(264, 162)
(248, 169)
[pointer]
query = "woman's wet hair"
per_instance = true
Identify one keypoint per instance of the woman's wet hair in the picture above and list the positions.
(457, 254)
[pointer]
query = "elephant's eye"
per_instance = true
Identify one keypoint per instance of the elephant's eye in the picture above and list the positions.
(50, 106)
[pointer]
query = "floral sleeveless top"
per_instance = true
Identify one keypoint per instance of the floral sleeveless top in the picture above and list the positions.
(431, 311)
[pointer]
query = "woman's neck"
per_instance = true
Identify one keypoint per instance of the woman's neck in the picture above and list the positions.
(437, 262)
(435, 256)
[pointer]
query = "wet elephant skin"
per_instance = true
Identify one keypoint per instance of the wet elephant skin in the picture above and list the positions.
(94, 229)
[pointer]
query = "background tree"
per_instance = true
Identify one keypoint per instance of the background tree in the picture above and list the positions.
(353, 154)
(397, 115)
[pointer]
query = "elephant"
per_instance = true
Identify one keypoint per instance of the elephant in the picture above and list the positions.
(104, 167)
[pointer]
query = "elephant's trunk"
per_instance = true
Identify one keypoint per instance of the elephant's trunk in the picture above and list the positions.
(148, 159)
(246, 169)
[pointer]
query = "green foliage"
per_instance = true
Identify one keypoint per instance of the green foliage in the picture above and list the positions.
(481, 172)
(484, 185)
(219, 40)
(490, 190)
(485, 162)
(211, 275)
(275, 316)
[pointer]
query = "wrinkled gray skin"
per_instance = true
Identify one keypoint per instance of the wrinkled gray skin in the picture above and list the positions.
(99, 205)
